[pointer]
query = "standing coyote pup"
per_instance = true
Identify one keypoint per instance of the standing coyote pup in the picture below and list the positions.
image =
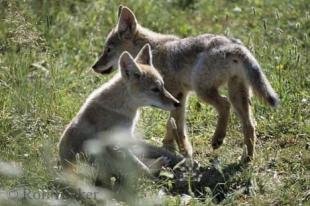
(114, 105)
(202, 63)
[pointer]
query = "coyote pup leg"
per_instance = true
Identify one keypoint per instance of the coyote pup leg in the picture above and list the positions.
(222, 106)
(178, 134)
(240, 99)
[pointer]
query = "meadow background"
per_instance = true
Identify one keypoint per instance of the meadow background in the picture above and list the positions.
(47, 49)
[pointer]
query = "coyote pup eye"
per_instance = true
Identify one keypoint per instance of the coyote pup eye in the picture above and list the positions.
(155, 89)
(109, 48)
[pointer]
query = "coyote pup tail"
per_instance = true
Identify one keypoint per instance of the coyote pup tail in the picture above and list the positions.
(257, 78)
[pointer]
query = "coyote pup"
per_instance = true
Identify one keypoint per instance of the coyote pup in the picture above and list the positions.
(201, 64)
(115, 104)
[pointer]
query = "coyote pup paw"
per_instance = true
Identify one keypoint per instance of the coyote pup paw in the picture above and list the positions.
(169, 146)
(216, 143)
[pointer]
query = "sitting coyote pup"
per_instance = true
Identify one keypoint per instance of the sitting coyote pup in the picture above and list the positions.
(114, 105)
(202, 64)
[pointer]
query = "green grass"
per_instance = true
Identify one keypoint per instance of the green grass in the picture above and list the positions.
(67, 36)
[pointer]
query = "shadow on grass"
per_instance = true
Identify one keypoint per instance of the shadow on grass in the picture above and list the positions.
(205, 181)
(201, 181)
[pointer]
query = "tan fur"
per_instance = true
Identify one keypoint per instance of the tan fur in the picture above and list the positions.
(115, 105)
(201, 64)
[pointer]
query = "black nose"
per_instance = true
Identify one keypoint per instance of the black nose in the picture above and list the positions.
(177, 104)
(94, 66)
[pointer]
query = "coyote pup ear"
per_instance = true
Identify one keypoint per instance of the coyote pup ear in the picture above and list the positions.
(129, 69)
(145, 55)
(127, 22)
(119, 10)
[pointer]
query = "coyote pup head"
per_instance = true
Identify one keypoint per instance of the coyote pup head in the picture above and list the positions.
(143, 81)
(120, 39)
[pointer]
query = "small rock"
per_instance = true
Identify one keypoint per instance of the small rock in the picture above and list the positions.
(185, 199)
(237, 9)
